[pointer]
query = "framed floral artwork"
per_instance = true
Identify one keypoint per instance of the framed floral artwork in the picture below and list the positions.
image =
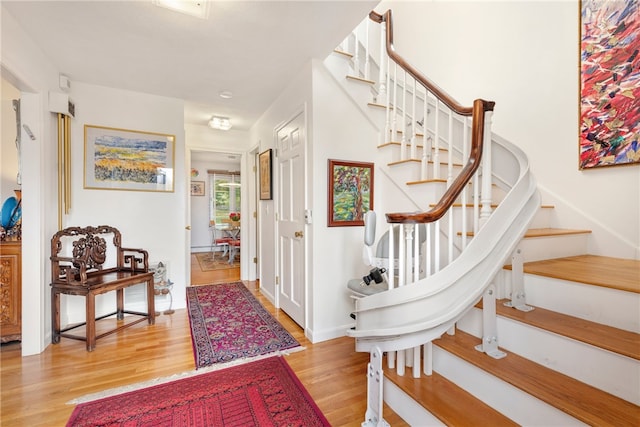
(350, 190)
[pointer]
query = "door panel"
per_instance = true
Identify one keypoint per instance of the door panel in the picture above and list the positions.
(291, 205)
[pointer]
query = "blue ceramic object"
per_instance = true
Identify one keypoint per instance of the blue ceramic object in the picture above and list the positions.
(11, 213)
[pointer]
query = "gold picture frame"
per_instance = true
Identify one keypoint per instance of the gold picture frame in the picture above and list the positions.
(197, 188)
(130, 160)
(266, 182)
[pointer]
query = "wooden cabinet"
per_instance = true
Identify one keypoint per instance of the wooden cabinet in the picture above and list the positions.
(10, 291)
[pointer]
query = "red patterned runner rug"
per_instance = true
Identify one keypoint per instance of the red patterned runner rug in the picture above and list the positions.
(228, 323)
(261, 393)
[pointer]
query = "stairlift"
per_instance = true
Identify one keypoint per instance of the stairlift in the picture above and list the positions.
(377, 279)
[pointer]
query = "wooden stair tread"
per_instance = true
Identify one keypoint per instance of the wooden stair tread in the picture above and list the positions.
(342, 52)
(361, 79)
(400, 162)
(426, 181)
(545, 232)
(607, 337)
(615, 273)
(444, 400)
(583, 402)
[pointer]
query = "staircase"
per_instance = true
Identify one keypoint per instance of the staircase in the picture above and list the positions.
(569, 339)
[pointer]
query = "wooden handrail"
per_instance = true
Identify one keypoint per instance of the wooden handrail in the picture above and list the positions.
(477, 112)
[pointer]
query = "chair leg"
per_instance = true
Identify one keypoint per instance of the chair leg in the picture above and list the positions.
(91, 321)
(55, 317)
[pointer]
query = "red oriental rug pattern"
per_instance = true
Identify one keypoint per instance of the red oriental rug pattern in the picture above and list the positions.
(261, 393)
(229, 323)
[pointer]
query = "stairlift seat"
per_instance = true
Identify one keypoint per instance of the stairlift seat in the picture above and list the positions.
(381, 258)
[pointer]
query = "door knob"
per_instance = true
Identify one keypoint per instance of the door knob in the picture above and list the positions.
(188, 227)
(298, 234)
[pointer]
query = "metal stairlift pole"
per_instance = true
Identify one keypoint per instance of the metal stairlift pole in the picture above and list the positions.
(518, 297)
(489, 325)
(375, 377)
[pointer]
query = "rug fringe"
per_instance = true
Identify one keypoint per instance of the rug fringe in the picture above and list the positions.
(161, 380)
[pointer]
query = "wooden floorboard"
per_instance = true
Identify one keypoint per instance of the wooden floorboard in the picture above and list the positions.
(586, 403)
(34, 389)
(615, 273)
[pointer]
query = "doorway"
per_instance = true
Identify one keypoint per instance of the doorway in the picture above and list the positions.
(215, 192)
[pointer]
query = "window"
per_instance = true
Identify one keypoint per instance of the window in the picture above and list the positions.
(224, 196)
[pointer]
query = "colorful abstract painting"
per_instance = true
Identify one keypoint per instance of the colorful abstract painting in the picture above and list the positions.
(609, 83)
(118, 159)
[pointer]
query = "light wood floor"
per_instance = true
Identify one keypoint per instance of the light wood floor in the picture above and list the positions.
(35, 389)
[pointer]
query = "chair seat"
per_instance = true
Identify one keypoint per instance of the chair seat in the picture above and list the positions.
(357, 286)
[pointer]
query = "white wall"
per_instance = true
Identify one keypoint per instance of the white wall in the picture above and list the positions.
(29, 70)
(154, 221)
(8, 151)
(524, 56)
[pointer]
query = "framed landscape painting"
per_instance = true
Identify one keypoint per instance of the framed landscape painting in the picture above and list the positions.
(120, 159)
(609, 83)
(350, 190)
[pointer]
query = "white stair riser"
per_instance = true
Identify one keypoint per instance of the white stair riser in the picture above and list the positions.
(615, 374)
(519, 406)
(598, 304)
(407, 408)
(549, 247)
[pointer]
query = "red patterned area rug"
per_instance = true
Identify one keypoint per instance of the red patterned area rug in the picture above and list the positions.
(229, 323)
(261, 393)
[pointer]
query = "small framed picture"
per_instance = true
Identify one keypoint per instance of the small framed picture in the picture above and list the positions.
(266, 184)
(197, 188)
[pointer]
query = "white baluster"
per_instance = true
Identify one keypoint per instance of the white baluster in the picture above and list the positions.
(450, 153)
(485, 211)
(436, 237)
(414, 149)
(382, 88)
(394, 126)
(465, 155)
(403, 127)
(416, 253)
(402, 257)
(390, 268)
(429, 251)
(400, 355)
(366, 49)
(436, 142)
(356, 55)
(428, 359)
(387, 127)
(416, 362)
(426, 141)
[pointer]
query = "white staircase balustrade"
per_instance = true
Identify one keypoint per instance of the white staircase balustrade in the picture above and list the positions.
(461, 253)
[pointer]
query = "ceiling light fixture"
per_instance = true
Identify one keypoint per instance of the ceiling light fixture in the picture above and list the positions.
(197, 8)
(225, 94)
(222, 123)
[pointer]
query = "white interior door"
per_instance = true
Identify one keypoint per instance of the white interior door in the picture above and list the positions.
(291, 204)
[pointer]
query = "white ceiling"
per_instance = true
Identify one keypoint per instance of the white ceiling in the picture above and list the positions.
(251, 48)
